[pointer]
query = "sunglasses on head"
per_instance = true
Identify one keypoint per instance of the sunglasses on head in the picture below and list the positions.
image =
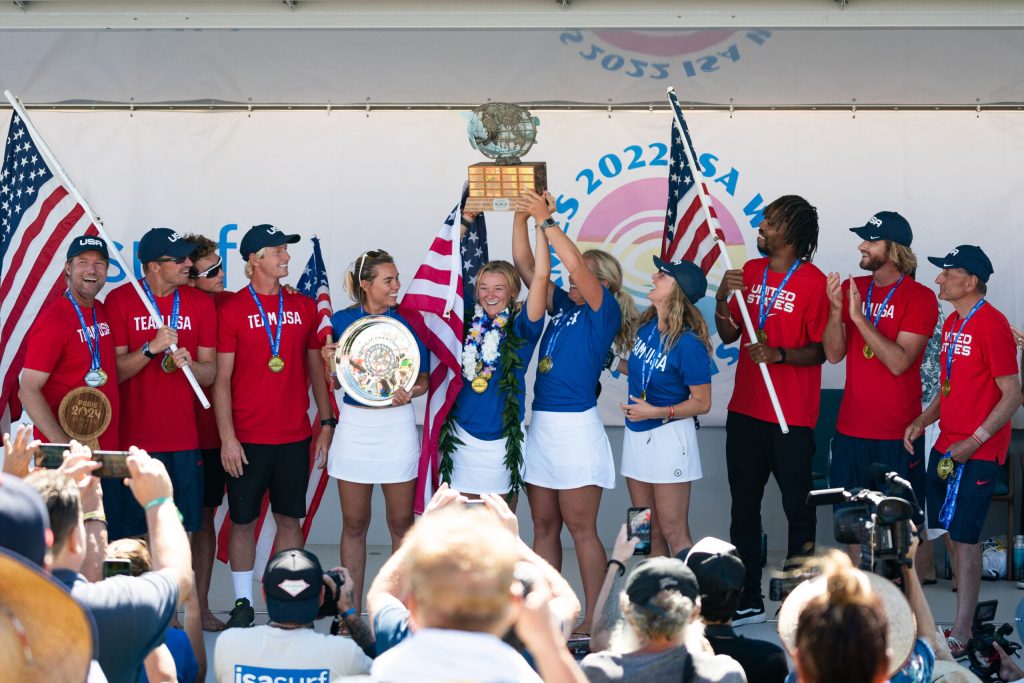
(171, 259)
(210, 273)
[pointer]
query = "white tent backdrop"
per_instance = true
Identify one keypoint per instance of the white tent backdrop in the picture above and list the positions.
(387, 179)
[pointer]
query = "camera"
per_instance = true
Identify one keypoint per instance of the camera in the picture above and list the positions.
(329, 607)
(984, 658)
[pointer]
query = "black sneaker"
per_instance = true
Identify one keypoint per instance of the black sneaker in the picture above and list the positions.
(243, 615)
(750, 611)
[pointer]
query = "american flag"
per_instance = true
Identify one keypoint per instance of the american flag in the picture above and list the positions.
(433, 306)
(687, 235)
(313, 284)
(38, 219)
(474, 251)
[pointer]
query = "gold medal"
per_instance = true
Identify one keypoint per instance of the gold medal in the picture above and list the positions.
(946, 388)
(762, 336)
(276, 364)
(945, 467)
(868, 353)
(479, 385)
(168, 364)
(103, 376)
(643, 395)
(545, 364)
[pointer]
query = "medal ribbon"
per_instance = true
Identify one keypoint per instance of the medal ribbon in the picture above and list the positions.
(885, 302)
(952, 490)
(763, 307)
(275, 339)
(94, 350)
(645, 376)
(956, 340)
(562, 317)
(174, 308)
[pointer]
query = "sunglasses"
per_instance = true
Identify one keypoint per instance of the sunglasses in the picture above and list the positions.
(210, 273)
(171, 259)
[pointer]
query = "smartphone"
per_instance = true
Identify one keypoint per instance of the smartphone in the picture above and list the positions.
(638, 525)
(114, 464)
(475, 501)
(51, 455)
(116, 568)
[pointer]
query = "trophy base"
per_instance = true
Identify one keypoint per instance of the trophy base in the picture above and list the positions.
(493, 186)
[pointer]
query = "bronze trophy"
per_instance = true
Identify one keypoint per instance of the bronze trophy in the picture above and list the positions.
(503, 132)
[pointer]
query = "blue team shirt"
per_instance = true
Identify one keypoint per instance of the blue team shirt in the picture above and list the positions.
(671, 374)
(346, 316)
(480, 414)
(584, 337)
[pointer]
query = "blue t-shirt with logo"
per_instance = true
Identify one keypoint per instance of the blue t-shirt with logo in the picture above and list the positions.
(577, 339)
(346, 316)
(480, 414)
(668, 376)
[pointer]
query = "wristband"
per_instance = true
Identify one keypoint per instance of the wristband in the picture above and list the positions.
(622, 567)
(329, 422)
(982, 434)
(347, 613)
(95, 516)
(782, 354)
(975, 437)
(158, 501)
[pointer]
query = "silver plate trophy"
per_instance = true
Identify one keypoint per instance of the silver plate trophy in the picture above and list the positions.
(376, 355)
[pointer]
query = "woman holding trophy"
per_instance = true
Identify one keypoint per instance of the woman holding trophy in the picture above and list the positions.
(481, 445)
(569, 459)
(377, 441)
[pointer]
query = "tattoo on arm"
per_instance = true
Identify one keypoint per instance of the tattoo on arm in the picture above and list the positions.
(360, 632)
(610, 612)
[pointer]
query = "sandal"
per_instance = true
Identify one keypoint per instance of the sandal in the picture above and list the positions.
(956, 647)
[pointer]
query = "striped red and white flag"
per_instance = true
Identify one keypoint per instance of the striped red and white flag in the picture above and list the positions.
(433, 307)
(38, 220)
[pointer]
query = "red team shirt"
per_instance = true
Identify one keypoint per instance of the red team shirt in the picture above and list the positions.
(876, 403)
(206, 419)
(268, 407)
(157, 407)
(797, 319)
(986, 350)
(56, 345)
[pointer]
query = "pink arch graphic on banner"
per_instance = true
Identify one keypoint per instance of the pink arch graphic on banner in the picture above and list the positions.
(672, 45)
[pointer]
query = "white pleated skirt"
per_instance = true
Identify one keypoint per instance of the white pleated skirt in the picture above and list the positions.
(479, 466)
(375, 445)
(567, 451)
(667, 454)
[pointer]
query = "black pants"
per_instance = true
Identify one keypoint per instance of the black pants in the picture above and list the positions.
(755, 449)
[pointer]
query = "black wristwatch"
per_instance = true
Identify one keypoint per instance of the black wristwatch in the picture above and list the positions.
(146, 352)
(782, 358)
(549, 222)
(329, 422)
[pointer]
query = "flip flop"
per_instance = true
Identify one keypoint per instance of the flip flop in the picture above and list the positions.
(956, 647)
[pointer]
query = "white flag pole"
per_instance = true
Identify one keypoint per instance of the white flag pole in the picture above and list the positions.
(52, 162)
(705, 203)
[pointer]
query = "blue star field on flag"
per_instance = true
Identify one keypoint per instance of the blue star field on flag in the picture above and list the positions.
(23, 173)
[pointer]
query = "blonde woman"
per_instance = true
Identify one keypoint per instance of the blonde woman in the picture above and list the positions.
(568, 457)
(669, 370)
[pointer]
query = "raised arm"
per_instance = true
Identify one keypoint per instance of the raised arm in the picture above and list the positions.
(539, 298)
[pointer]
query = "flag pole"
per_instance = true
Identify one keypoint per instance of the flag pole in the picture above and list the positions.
(705, 202)
(62, 174)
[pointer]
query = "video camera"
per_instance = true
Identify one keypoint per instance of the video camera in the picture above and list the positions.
(984, 658)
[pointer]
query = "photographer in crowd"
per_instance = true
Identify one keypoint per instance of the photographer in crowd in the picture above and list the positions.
(297, 591)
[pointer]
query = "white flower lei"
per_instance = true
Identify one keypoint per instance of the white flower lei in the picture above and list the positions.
(480, 353)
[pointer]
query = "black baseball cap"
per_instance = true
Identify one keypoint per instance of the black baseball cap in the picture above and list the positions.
(886, 225)
(292, 583)
(160, 242)
(264, 235)
(717, 566)
(969, 257)
(24, 520)
(657, 574)
(87, 243)
(688, 275)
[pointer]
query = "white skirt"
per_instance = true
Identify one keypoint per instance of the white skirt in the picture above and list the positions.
(568, 451)
(479, 466)
(375, 445)
(667, 454)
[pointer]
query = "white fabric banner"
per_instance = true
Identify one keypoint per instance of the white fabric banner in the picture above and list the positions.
(384, 181)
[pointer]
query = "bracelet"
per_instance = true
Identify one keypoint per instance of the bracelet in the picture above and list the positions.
(975, 437)
(329, 422)
(982, 434)
(95, 516)
(782, 353)
(671, 415)
(622, 567)
(347, 613)
(158, 501)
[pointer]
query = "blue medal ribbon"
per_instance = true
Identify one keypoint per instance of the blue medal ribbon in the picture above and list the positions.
(557, 323)
(94, 349)
(645, 376)
(956, 340)
(885, 302)
(174, 308)
(764, 307)
(275, 339)
(952, 490)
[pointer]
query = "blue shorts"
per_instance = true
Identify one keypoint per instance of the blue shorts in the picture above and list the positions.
(125, 517)
(851, 456)
(977, 484)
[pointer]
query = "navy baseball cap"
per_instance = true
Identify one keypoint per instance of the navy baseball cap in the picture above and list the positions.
(689, 276)
(265, 235)
(24, 520)
(87, 243)
(969, 257)
(657, 574)
(716, 565)
(886, 225)
(292, 584)
(160, 242)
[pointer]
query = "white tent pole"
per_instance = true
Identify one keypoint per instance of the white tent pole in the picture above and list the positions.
(54, 165)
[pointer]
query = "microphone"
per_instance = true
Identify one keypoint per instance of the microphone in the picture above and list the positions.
(879, 471)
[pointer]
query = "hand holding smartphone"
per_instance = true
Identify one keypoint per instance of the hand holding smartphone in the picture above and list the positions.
(113, 463)
(638, 525)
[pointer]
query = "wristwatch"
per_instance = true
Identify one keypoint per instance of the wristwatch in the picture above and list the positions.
(329, 422)
(548, 223)
(146, 352)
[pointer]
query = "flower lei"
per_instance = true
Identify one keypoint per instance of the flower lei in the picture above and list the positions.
(483, 339)
(506, 351)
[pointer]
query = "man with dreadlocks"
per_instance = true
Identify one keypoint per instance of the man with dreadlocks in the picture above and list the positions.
(785, 296)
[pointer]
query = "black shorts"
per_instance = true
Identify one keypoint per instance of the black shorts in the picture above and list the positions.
(977, 484)
(214, 478)
(125, 517)
(852, 456)
(282, 469)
